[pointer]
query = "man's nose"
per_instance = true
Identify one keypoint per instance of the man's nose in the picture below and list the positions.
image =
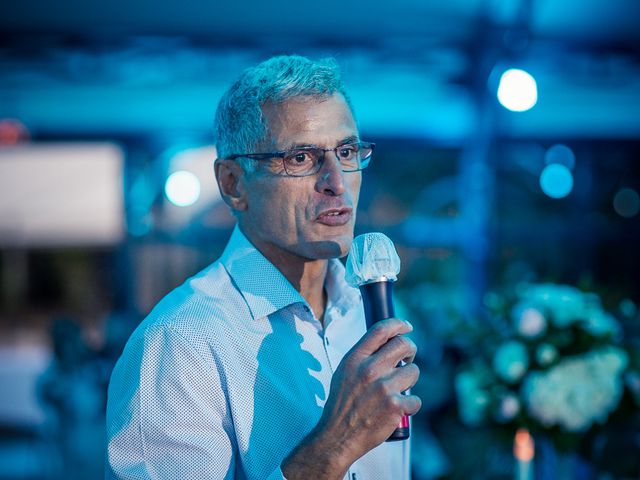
(330, 179)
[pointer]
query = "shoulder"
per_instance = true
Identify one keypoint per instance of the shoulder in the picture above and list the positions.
(199, 312)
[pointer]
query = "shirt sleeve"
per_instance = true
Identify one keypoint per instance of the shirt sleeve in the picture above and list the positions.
(167, 413)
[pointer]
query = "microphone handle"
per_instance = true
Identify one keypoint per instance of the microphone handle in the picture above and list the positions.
(377, 298)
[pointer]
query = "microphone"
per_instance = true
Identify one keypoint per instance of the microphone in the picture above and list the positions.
(372, 266)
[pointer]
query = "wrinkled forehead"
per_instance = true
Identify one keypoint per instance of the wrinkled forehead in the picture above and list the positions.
(309, 120)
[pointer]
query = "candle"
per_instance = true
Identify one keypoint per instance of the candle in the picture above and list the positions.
(523, 451)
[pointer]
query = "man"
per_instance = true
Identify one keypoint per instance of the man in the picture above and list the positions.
(259, 366)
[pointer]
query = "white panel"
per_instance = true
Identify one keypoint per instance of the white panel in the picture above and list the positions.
(61, 194)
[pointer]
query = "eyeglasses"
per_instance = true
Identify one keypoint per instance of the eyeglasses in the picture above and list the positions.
(304, 161)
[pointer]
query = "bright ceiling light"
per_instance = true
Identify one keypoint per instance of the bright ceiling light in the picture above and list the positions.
(517, 90)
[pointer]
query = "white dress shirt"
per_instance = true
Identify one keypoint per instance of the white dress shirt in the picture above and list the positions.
(229, 372)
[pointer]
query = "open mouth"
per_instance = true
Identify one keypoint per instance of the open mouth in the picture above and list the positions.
(335, 217)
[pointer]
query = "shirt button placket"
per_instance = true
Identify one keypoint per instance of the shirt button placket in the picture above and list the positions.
(326, 351)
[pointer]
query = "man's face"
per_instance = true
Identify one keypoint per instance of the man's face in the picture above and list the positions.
(308, 217)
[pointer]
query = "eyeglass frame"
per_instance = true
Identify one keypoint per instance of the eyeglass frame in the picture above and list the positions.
(283, 153)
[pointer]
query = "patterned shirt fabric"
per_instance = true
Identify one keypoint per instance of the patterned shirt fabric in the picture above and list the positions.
(229, 372)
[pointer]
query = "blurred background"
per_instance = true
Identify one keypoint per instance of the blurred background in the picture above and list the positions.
(506, 171)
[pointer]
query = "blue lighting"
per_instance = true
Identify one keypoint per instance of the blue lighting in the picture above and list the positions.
(556, 181)
(517, 90)
(182, 188)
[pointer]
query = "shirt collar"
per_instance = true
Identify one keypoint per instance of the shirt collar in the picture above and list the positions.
(250, 270)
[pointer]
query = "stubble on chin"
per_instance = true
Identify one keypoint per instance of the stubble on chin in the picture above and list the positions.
(336, 247)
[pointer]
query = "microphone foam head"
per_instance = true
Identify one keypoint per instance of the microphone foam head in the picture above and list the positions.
(372, 258)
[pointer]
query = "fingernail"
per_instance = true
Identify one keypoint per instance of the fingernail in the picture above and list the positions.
(409, 324)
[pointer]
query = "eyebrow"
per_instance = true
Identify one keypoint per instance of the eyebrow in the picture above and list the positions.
(349, 139)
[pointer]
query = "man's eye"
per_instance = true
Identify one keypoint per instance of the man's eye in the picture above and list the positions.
(347, 151)
(299, 157)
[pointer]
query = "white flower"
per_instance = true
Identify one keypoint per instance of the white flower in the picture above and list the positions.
(566, 303)
(577, 392)
(599, 324)
(528, 320)
(508, 408)
(511, 361)
(546, 354)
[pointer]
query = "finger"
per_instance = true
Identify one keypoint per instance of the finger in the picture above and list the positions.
(380, 333)
(396, 349)
(409, 404)
(402, 378)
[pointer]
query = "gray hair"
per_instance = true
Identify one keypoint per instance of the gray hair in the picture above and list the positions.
(240, 126)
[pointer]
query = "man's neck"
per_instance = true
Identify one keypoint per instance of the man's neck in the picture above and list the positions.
(311, 286)
(307, 276)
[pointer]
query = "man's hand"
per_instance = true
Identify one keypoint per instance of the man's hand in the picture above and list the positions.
(365, 403)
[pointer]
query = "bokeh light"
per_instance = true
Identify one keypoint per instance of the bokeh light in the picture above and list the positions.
(182, 188)
(517, 90)
(626, 203)
(560, 154)
(556, 181)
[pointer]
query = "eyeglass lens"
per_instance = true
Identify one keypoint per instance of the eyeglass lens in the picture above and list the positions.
(307, 161)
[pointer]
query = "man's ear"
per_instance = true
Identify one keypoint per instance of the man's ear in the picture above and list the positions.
(230, 177)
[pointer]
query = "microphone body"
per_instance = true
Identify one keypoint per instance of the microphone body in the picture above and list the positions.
(377, 298)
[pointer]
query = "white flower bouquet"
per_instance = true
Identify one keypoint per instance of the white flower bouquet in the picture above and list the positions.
(552, 360)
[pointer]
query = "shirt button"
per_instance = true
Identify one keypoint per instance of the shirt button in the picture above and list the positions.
(326, 340)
